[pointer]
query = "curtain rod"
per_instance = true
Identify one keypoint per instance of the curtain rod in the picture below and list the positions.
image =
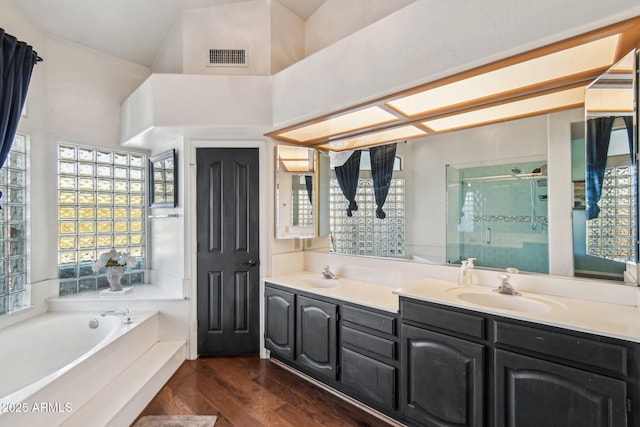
(38, 58)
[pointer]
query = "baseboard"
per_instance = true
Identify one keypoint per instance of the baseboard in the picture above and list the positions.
(339, 394)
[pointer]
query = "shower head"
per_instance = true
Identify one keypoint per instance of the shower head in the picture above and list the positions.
(516, 170)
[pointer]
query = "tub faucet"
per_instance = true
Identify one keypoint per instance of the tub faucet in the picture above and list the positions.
(126, 313)
(505, 287)
(327, 273)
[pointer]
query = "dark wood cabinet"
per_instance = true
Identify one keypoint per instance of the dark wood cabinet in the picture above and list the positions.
(466, 368)
(279, 328)
(369, 380)
(316, 337)
(443, 379)
(369, 357)
(434, 365)
(530, 392)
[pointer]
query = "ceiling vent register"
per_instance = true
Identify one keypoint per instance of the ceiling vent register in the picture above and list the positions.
(228, 58)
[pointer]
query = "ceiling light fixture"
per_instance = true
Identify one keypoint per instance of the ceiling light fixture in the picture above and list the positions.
(547, 79)
(376, 138)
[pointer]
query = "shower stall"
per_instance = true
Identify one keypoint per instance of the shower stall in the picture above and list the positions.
(497, 213)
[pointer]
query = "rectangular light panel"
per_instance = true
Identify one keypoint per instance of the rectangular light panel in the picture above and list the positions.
(589, 56)
(552, 101)
(349, 122)
(389, 135)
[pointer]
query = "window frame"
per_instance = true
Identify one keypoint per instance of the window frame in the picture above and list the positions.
(78, 276)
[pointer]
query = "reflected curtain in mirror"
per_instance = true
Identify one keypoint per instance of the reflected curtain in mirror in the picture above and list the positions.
(597, 146)
(347, 176)
(382, 159)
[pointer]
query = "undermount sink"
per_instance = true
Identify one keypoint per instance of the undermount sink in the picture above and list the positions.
(505, 302)
(321, 282)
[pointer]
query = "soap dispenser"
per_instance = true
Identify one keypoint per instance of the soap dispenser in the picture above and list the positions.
(471, 274)
(463, 276)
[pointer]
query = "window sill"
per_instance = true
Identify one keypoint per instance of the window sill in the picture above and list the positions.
(148, 292)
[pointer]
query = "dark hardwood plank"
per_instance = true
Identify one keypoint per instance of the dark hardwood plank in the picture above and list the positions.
(248, 391)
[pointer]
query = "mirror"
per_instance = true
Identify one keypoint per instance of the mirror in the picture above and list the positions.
(163, 180)
(296, 192)
(510, 156)
(611, 165)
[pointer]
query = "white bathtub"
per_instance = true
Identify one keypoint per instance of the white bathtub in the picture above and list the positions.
(54, 363)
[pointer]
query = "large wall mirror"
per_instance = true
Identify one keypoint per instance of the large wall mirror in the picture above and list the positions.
(611, 165)
(162, 180)
(483, 192)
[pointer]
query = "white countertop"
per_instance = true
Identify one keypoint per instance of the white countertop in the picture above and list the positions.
(612, 320)
(363, 293)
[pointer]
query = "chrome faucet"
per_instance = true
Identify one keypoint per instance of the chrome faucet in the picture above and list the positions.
(327, 273)
(126, 314)
(505, 287)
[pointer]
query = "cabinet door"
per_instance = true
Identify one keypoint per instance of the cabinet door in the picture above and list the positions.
(279, 327)
(316, 341)
(531, 392)
(369, 379)
(443, 379)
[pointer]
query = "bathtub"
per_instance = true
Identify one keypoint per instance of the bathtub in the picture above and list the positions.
(52, 364)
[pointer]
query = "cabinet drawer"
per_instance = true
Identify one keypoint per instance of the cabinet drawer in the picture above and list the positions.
(468, 324)
(380, 346)
(373, 381)
(369, 319)
(602, 355)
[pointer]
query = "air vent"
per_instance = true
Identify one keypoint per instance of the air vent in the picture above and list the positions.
(228, 58)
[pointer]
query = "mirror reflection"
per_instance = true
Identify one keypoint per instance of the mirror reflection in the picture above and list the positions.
(162, 180)
(484, 193)
(497, 213)
(295, 192)
(611, 178)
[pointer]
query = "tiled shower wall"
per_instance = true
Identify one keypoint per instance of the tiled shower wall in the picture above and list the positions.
(495, 217)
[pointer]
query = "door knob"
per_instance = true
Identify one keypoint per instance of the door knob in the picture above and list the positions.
(252, 262)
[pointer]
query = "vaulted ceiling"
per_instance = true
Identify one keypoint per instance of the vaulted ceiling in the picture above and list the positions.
(130, 29)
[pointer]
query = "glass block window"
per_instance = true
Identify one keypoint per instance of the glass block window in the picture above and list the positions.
(612, 234)
(13, 235)
(101, 206)
(363, 233)
(302, 205)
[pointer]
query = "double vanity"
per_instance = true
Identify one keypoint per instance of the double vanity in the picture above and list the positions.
(433, 353)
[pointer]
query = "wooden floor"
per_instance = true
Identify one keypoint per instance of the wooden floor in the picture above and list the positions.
(252, 392)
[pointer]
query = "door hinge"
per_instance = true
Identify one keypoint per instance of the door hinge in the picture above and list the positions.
(337, 317)
(628, 405)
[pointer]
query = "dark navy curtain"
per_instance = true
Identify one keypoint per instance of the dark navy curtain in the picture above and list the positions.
(382, 159)
(628, 123)
(308, 182)
(16, 64)
(347, 176)
(597, 146)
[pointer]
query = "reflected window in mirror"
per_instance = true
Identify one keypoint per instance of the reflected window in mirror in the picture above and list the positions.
(162, 180)
(363, 233)
(611, 234)
(611, 168)
(295, 195)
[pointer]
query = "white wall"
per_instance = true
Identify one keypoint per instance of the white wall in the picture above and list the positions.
(287, 37)
(74, 96)
(232, 25)
(336, 19)
(169, 58)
